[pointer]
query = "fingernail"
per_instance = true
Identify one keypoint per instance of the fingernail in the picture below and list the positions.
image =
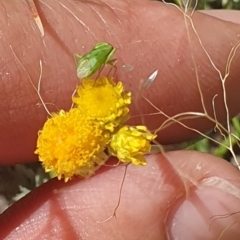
(209, 211)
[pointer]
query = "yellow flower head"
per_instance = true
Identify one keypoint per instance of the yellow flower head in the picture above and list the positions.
(130, 144)
(104, 101)
(71, 144)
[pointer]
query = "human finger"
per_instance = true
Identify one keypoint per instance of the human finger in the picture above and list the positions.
(175, 196)
(146, 50)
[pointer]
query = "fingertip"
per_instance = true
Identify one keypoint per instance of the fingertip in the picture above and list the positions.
(210, 208)
(207, 212)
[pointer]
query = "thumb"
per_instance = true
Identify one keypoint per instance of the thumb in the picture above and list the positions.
(173, 197)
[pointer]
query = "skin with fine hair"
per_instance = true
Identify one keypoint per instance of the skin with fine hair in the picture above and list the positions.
(176, 195)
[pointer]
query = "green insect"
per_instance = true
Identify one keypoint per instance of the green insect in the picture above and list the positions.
(95, 60)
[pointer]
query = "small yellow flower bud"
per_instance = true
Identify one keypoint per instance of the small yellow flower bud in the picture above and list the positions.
(130, 144)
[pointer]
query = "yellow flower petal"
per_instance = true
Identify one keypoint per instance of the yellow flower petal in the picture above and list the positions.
(104, 101)
(130, 144)
(71, 144)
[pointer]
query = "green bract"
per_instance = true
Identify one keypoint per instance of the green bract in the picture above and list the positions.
(94, 60)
